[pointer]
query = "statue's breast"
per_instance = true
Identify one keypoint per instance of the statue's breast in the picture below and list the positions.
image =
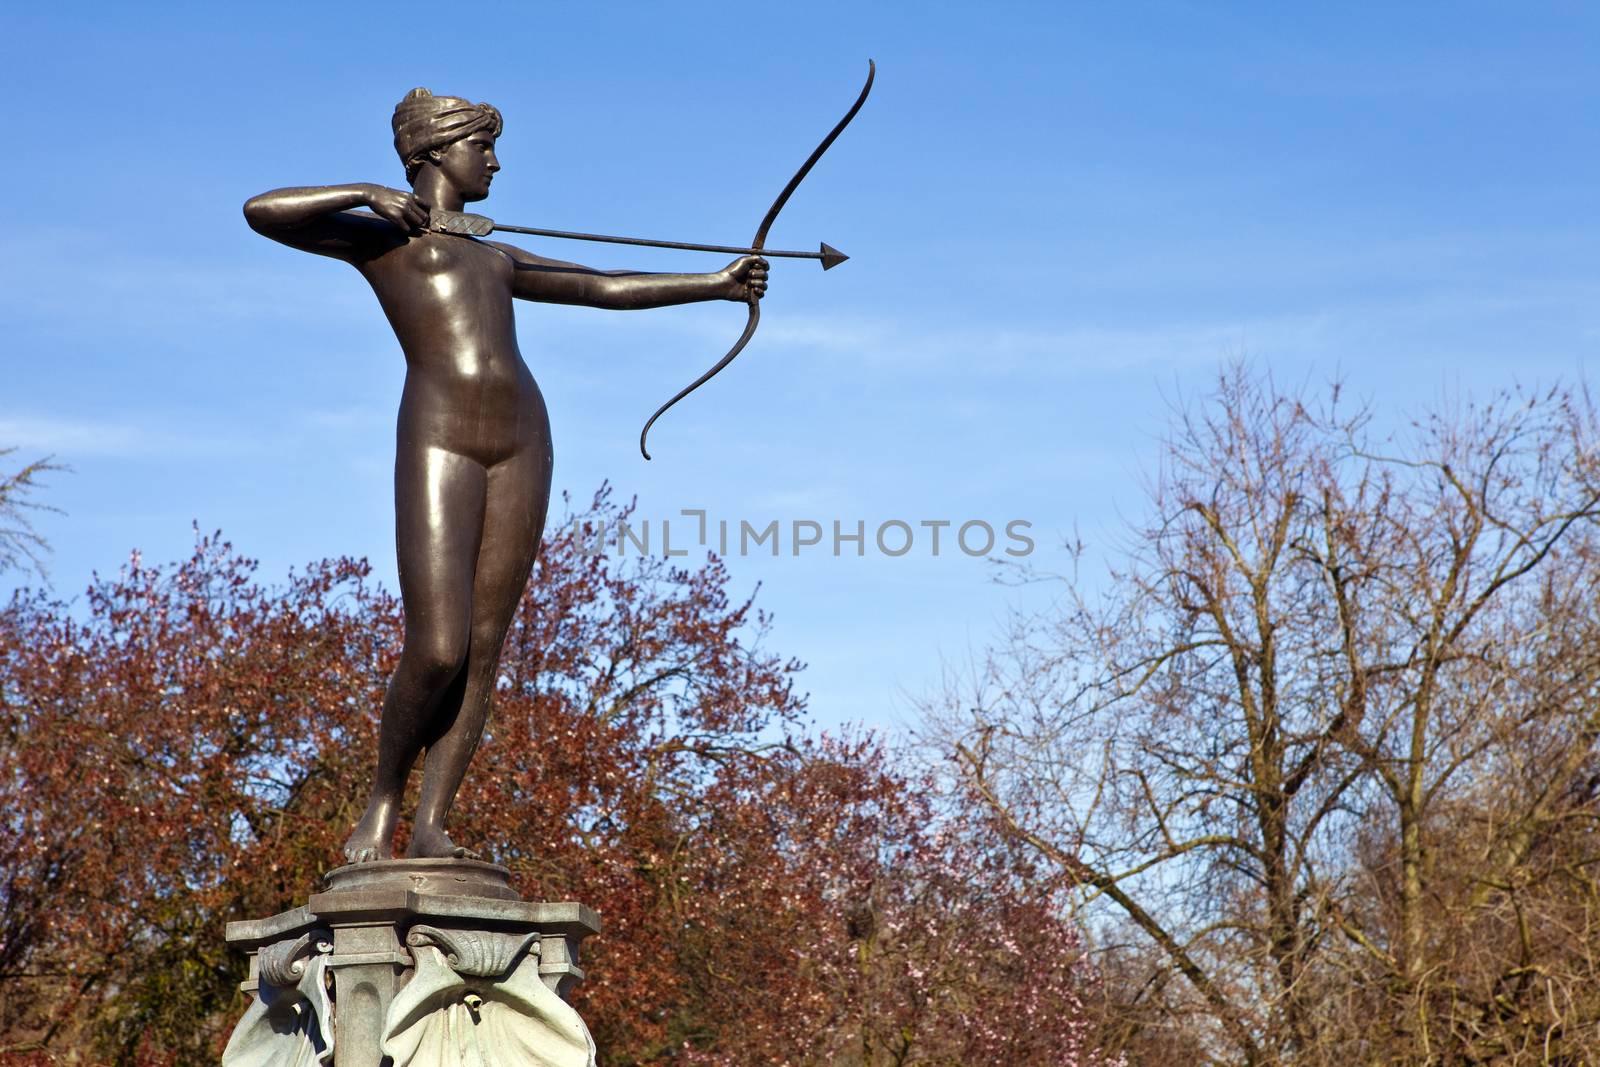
(432, 254)
(460, 257)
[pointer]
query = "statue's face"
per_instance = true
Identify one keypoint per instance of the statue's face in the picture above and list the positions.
(469, 165)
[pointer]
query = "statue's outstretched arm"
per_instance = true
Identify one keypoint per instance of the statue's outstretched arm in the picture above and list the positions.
(554, 281)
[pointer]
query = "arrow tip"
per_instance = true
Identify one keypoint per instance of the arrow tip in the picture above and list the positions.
(831, 256)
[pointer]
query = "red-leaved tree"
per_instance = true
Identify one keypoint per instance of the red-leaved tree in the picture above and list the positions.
(188, 746)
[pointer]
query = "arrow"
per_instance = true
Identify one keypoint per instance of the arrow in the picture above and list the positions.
(469, 225)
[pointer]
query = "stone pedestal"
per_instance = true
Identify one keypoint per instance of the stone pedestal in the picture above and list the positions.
(413, 963)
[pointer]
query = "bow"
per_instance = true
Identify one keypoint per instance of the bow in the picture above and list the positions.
(755, 247)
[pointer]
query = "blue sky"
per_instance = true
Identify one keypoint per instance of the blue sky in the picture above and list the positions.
(1061, 217)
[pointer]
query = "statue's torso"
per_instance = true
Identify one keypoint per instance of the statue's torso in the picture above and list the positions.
(467, 388)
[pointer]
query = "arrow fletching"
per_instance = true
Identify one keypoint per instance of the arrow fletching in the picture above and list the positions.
(460, 222)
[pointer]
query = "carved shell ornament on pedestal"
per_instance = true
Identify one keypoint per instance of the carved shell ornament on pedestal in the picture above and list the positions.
(501, 1012)
(289, 1024)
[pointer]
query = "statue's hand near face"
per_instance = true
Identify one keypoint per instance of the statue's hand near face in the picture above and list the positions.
(746, 279)
(401, 207)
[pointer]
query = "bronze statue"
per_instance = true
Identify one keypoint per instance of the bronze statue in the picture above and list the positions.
(473, 455)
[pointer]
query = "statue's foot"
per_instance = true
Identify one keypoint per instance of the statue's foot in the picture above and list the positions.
(428, 844)
(372, 839)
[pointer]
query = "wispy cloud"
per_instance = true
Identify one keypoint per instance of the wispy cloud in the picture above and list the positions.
(361, 417)
(893, 342)
(77, 437)
(799, 499)
(145, 435)
(1456, 320)
(42, 277)
(1046, 352)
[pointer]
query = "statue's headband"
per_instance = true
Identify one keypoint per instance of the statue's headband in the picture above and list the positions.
(423, 122)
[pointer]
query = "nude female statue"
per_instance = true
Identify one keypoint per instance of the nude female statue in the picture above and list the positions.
(472, 456)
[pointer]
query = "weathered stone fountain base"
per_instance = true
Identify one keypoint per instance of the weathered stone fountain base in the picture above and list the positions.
(413, 963)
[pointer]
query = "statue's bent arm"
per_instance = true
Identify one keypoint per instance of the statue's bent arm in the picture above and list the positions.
(318, 219)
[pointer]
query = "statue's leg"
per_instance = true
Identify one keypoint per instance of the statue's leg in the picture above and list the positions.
(519, 494)
(439, 504)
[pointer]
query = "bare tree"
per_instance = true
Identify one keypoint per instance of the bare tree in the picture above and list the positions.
(1322, 741)
(20, 544)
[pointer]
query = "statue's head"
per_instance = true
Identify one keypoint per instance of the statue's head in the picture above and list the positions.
(451, 134)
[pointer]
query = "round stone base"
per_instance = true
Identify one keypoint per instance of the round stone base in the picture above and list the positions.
(471, 878)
